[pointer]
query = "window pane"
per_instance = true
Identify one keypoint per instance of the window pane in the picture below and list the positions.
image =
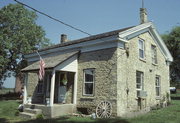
(88, 81)
(157, 91)
(141, 53)
(154, 54)
(88, 88)
(138, 86)
(139, 80)
(141, 44)
(88, 75)
(157, 84)
(157, 81)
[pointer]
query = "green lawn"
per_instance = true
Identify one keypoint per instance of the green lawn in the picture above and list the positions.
(170, 114)
(8, 111)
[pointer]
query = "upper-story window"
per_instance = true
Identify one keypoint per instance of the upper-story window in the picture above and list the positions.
(88, 82)
(141, 49)
(154, 54)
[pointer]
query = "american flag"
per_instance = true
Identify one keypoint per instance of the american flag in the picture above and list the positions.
(41, 69)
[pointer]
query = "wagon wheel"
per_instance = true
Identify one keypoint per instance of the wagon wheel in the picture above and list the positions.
(104, 109)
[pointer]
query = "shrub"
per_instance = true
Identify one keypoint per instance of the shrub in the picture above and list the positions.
(40, 116)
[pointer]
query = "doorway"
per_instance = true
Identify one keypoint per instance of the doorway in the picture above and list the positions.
(64, 87)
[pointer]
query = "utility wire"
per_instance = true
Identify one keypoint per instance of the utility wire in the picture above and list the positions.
(53, 18)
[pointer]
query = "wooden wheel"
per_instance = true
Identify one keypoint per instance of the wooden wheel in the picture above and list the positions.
(104, 109)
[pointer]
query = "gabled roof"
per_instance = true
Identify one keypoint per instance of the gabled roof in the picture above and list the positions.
(135, 31)
(122, 35)
(93, 37)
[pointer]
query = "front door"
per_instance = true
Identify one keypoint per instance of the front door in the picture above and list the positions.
(62, 87)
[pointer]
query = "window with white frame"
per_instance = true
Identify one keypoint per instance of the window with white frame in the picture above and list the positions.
(154, 54)
(88, 82)
(139, 81)
(157, 85)
(141, 49)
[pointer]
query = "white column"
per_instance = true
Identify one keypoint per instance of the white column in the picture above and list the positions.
(75, 89)
(25, 89)
(52, 88)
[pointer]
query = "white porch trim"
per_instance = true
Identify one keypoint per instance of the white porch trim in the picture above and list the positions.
(52, 88)
(75, 88)
(25, 89)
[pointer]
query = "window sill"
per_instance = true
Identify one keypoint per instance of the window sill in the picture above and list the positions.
(143, 60)
(142, 98)
(154, 64)
(87, 98)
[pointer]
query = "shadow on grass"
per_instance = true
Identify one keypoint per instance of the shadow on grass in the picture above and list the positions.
(9, 96)
(68, 120)
(3, 120)
(175, 98)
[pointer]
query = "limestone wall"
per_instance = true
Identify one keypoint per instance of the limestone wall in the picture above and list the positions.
(126, 76)
(104, 64)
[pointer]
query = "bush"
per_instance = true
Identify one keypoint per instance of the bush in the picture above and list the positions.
(40, 116)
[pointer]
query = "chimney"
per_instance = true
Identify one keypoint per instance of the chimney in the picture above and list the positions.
(143, 15)
(63, 38)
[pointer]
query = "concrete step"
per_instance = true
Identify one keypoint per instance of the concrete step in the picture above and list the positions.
(33, 111)
(26, 115)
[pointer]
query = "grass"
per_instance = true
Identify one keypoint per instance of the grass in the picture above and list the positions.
(170, 114)
(8, 111)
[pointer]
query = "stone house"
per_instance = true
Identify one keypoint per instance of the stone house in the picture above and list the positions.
(128, 68)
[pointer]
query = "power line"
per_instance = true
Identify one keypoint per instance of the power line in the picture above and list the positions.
(53, 18)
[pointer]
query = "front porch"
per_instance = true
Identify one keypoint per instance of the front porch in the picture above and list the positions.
(63, 89)
(56, 95)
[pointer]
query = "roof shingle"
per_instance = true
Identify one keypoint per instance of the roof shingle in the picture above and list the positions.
(50, 62)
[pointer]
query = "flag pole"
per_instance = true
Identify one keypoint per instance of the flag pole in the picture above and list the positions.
(38, 54)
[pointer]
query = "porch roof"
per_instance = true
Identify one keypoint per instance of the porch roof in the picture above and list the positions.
(50, 62)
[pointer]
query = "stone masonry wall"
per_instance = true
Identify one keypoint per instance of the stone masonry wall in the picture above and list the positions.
(126, 79)
(104, 63)
(32, 88)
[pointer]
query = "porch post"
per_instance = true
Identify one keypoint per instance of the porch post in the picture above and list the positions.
(75, 89)
(25, 88)
(52, 88)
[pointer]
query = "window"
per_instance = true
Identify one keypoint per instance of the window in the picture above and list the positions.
(139, 82)
(40, 87)
(154, 54)
(88, 82)
(157, 84)
(141, 49)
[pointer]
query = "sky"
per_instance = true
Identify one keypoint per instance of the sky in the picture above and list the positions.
(98, 16)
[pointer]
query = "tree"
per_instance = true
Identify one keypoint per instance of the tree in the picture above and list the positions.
(172, 41)
(19, 34)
